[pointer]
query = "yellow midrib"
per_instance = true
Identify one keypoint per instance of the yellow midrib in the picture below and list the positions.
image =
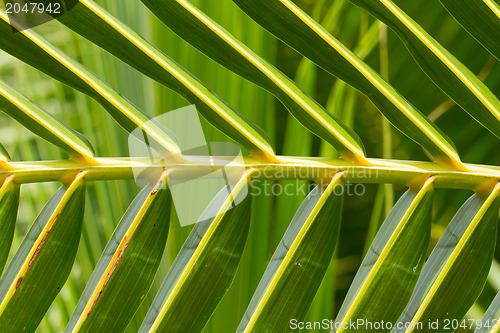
(493, 6)
(75, 145)
(373, 78)
(123, 106)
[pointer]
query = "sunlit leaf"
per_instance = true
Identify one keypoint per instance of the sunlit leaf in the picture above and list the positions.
(447, 72)
(481, 18)
(42, 123)
(93, 22)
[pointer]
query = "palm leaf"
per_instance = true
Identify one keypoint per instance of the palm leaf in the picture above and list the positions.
(42, 123)
(289, 23)
(128, 264)
(298, 265)
(467, 245)
(204, 290)
(385, 281)
(481, 18)
(43, 262)
(447, 72)
(39, 53)
(213, 40)
(204, 267)
(93, 22)
(9, 203)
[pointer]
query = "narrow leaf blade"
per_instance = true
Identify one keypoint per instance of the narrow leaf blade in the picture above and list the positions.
(466, 246)
(94, 23)
(43, 262)
(294, 274)
(33, 49)
(35, 119)
(385, 281)
(481, 18)
(128, 265)
(204, 268)
(4, 155)
(447, 72)
(9, 203)
(213, 40)
(294, 27)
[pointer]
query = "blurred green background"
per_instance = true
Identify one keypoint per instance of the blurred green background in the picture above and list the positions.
(107, 200)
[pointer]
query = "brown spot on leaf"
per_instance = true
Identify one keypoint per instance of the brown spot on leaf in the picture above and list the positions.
(115, 264)
(19, 281)
(39, 247)
(157, 187)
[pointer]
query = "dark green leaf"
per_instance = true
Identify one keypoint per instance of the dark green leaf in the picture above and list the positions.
(447, 72)
(213, 40)
(481, 18)
(456, 271)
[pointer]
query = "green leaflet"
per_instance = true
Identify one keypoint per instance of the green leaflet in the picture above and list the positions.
(94, 23)
(296, 269)
(490, 322)
(43, 262)
(33, 49)
(213, 40)
(384, 283)
(457, 268)
(9, 203)
(4, 155)
(42, 123)
(289, 23)
(128, 265)
(481, 18)
(204, 268)
(447, 72)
